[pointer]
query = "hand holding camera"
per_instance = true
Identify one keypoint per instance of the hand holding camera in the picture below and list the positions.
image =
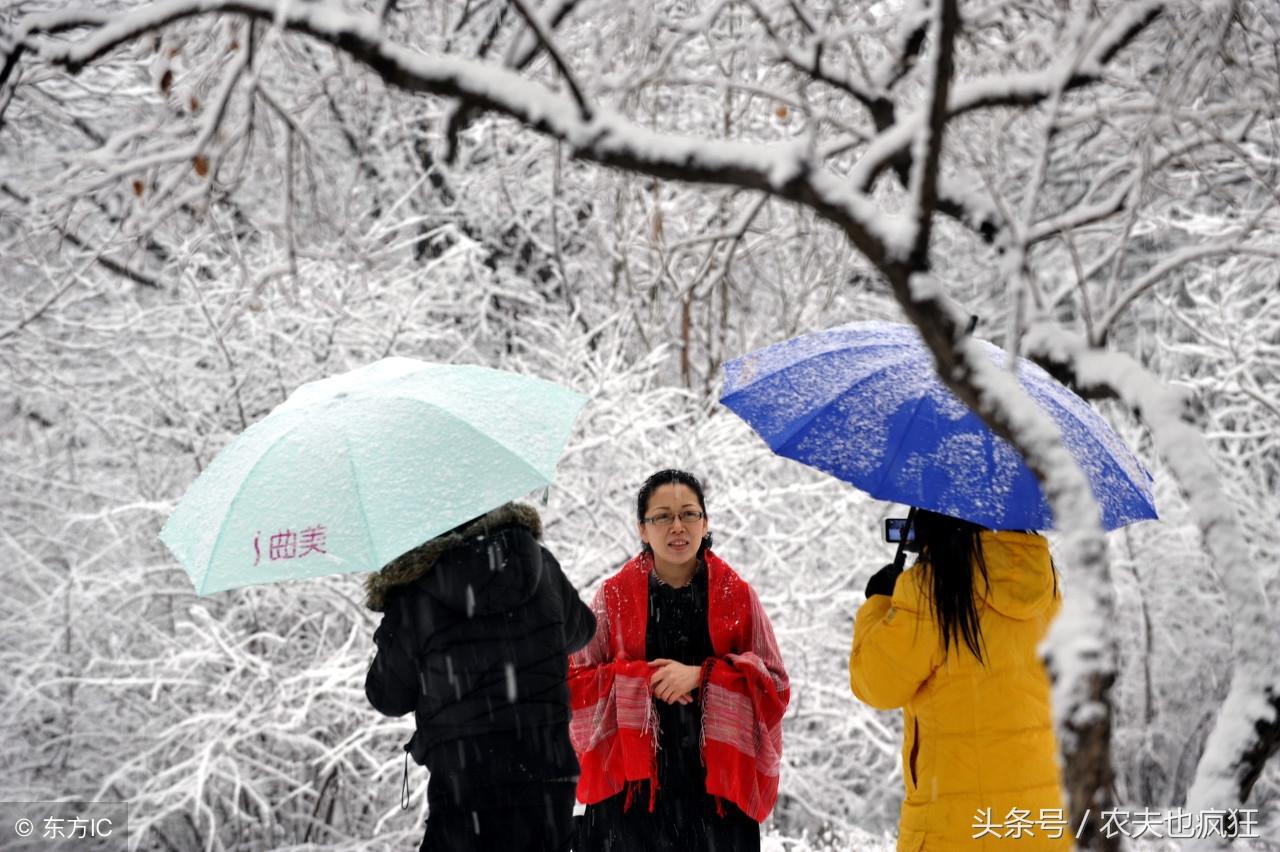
(882, 582)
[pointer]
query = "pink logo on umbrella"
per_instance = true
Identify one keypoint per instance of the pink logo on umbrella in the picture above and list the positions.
(288, 544)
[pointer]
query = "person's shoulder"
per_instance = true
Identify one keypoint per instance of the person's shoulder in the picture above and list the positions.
(722, 575)
(910, 590)
(627, 572)
(549, 558)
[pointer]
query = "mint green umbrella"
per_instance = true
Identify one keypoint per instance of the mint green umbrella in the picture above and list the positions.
(351, 471)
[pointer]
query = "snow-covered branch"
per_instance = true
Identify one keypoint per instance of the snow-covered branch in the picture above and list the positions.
(810, 62)
(99, 257)
(1247, 731)
(1089, 212)
(1230, 247)
(543, 34)
(519, 55)
(927, 159)
(606, 138)
(1020, 89)
(1083, 658)
(494, 256)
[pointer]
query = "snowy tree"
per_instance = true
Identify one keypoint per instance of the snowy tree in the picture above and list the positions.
(204, 202)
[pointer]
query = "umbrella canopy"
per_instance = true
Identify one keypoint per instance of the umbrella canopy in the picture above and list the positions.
(862, 402)
(351, 471)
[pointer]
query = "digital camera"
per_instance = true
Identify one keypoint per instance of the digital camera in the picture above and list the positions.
(893, 528)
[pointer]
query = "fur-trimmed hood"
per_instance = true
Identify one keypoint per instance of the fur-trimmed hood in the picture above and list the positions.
(416, 563)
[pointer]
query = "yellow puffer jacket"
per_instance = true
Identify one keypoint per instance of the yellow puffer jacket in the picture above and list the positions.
(976, 738)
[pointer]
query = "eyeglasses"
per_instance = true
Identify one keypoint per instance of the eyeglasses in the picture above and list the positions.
(664, 520)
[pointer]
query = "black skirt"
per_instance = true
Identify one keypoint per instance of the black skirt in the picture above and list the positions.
(679, 822)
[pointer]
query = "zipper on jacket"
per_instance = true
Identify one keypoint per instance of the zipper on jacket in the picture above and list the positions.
(404, 782)
(915, 752)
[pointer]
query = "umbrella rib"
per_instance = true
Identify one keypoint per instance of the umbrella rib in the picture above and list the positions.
(892, 459)
(364, 516)
(484, 435)
(1101, 444)
(801, 424)
(839, 346)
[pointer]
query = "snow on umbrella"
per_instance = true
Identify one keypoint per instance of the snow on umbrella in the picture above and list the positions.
(353, 470)
(863, 403)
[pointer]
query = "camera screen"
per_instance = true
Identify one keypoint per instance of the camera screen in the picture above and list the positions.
(893, 528)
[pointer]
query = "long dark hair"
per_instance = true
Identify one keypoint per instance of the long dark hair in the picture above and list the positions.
(950, 549)
(672, 476)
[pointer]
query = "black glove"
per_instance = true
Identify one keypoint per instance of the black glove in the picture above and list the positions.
(881, 582)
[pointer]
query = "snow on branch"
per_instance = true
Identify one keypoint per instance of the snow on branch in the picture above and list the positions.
(99, 256)
(1180, 258)
(811, 63)
(913, 26)
(607, 138)
(1089, 213)
(928, 144)
(543, 34)
(521, 52)
(1082, 655)
(1247, 731)
(526, 47)
(1024, 89)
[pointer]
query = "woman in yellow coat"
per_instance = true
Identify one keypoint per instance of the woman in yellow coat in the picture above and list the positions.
(952, 641)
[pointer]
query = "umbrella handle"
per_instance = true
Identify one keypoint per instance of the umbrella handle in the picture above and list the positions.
(901, 556)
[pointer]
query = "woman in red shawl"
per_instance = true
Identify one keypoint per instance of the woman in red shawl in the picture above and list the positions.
(678, 700)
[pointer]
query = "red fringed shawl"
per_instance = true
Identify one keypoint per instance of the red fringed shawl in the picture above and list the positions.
(744, 692)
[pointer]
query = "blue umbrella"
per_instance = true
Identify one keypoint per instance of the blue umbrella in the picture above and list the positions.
(863, 403)
(351, 471)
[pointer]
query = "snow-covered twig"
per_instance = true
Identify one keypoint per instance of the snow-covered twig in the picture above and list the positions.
(812, 64)
(608, 138)
(1023, 89)
(927, 156)
(99, 257)
(544, 38)
(522, 51)
(1084, 214)
(1182, 257)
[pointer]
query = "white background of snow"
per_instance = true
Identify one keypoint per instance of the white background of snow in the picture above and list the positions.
(806, 543)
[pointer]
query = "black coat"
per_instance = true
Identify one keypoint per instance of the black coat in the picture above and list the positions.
(474, 639)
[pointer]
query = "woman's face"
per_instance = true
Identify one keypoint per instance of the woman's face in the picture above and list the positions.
(676, 544)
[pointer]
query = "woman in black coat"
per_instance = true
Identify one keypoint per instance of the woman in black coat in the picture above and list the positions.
(477, 625)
